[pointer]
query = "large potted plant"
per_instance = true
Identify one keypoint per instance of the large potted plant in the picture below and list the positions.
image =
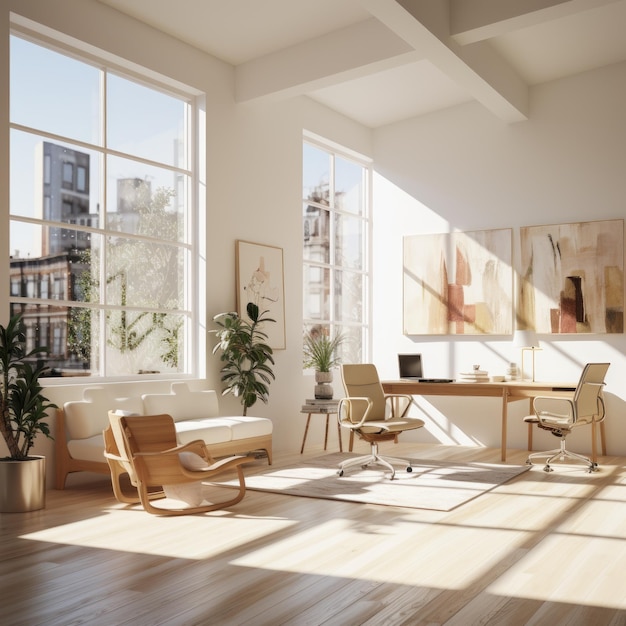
(320, 353)
(24, 410)
(247, 358)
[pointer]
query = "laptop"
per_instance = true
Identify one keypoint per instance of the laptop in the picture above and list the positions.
(410, 366)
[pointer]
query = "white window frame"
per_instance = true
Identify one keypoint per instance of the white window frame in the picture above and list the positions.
(336, 150)
(194, 350)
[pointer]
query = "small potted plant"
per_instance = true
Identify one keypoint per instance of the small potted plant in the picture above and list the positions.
(247, 358)
(24, 410)
(320, 353)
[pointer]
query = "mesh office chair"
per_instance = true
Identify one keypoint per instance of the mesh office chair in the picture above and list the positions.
(562, 415)
(373, 415)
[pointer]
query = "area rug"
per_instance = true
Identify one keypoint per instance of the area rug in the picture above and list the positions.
(434, 485)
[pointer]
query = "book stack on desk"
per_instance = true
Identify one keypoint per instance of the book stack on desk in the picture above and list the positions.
(475, 376)
(320, 406)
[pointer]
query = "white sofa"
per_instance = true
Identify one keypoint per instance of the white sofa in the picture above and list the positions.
(79, 441)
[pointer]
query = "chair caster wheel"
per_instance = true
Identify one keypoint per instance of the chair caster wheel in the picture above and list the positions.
(529, 462)
(340, 473)
(409, 469)
(547, 468)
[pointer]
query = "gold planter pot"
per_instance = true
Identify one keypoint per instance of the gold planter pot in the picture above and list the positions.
(22, 485)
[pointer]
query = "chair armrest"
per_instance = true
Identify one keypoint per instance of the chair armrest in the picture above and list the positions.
(556, 407)
(114, 457)
(347, 405)
(225, 463)
(394, 401)
(197, 446)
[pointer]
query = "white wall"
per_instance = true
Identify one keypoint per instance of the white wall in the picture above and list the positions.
(463, 169)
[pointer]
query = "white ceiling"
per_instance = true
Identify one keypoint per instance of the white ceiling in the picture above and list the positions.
(381, 61)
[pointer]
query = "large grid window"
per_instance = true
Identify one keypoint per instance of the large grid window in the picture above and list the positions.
(336, 234)
(100, 214)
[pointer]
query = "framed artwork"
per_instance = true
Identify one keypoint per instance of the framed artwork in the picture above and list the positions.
(458, 283)
(260, 279)
(572, 278)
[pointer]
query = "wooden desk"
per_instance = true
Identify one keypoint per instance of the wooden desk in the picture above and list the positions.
(508, 391)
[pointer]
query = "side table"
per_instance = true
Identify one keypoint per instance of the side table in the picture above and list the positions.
(321, 407)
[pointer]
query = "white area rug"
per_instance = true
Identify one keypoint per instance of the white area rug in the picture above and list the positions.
(435, 485)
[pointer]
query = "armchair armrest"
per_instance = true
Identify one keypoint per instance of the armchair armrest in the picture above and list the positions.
(394, 400)
(554, 412)
(197, 446)
(114, 457)
(348, 405)
(562, 408)
(191, 467)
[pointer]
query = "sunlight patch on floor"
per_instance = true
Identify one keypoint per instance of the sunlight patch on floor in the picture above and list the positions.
(127, 532)
(469, 562)
(539, 577)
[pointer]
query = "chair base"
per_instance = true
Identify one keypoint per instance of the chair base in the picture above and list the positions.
(562, 454)
(374, 459)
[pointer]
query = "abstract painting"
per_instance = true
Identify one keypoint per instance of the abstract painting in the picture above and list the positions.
(260, 280)
(458, 283)
(572, 278)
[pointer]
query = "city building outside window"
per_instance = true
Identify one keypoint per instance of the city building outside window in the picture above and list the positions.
(101, 214)
(336, 235)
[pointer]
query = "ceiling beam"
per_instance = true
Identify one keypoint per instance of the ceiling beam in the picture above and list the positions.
(400, 32)
(478, 68)
(345, 54)
(478, 20)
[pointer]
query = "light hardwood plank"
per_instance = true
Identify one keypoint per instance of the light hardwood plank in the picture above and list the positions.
(543, 548)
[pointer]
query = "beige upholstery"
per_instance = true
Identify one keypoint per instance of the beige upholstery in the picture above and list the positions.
(80, 424)
(196, 416)
(158, 462)
(373, 415)
(562, 415)
(78, 436)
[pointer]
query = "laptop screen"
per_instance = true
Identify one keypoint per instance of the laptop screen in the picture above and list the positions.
(410, 365)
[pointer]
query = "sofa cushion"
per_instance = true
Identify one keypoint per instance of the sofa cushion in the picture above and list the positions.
(243, 427)
(88, 449)
(210, 430)
(90, 416)
(182, 403)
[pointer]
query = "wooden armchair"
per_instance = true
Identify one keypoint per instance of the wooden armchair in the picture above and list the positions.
(118, 461)
(161, 469)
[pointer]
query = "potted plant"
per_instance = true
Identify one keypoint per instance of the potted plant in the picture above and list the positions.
(247, 358)
(24, 409)
(320, 353)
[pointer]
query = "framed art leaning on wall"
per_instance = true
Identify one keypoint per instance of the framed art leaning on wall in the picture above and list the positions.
(260, 279)
(572, 278)
(458, 283)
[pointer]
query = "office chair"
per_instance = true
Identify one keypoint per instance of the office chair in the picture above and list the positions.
(373, 415)
(562, 415)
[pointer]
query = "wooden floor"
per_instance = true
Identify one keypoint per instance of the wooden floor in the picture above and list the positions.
(541, 549)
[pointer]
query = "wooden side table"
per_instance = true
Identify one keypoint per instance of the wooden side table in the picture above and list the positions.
(322, 407)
